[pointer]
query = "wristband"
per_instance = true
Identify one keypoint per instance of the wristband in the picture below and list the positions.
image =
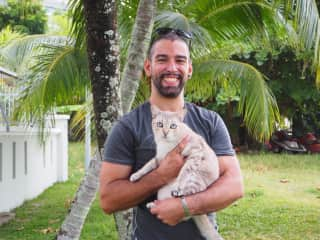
(185, 207)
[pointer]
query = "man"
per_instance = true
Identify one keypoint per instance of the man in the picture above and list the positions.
(130, 145)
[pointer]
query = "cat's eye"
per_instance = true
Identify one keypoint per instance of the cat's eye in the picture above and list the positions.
(159, 124)
(173, 126)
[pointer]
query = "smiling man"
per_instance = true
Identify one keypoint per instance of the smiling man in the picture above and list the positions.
(131, 144)
(169, 74)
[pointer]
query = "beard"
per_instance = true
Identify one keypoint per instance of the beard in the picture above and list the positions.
(168, 91)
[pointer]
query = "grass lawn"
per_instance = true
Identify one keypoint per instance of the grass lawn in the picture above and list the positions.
(282, 201)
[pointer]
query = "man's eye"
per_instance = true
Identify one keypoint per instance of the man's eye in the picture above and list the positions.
(159, 124)
(173, 126)
(181, 61)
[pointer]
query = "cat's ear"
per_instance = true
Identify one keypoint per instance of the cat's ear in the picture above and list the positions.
(154, 111)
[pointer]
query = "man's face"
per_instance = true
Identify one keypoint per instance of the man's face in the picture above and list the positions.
(169, 67)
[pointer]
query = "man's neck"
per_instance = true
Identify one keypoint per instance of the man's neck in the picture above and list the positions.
(168, 104)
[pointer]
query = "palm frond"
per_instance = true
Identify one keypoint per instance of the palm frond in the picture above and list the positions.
(302, 17)
(227, 19)
(306, 21)
(19, 52)
(257, 104)
(78, 121)
(126, 17)
(78, 29)
(58, 77)
(8, 35)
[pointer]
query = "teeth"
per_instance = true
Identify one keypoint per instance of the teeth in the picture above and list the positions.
(170, 79)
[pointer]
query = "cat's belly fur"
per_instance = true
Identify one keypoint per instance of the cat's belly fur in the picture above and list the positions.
(199, 171)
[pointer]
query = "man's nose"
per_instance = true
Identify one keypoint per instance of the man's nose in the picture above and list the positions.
(172, 67)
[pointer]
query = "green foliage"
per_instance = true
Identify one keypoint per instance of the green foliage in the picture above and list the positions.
(58, 77)
(59, 23)
(221, 29)
(23, 16)
(293, 84)
(257, 104)
(7, 35)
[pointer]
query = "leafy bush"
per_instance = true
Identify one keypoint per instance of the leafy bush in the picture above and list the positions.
(23, 16)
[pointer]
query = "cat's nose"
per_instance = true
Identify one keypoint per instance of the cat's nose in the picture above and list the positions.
(165, 133)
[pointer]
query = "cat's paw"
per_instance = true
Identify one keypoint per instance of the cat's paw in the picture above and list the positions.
(190, 191)
(150, 205)
(133, 178)
(176, 193)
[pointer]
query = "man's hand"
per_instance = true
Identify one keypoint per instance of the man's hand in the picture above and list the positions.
(169, 211)
(170, 166)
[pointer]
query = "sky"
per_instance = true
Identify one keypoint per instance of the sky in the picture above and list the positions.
(55, 4)
(51, 5)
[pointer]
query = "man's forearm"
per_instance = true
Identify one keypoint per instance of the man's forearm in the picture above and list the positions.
(118, 193)
(218, 196)
(227, 189)
(123, 194)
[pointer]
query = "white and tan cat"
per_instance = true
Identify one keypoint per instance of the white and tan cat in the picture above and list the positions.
(199, 171)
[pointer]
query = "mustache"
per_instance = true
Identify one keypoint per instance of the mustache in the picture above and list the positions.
(168, 74)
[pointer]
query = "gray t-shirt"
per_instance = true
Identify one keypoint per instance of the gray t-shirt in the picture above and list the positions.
(131, 142)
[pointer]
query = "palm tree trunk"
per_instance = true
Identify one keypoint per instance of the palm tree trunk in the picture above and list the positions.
(72, 225)
(103, 56)
(130, 79)
(104, 88)
(137, 52)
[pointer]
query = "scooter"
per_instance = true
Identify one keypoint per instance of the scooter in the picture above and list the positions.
(283, 141)
(310, 142)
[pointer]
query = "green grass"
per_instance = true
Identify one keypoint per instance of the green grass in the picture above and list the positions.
(282, 201)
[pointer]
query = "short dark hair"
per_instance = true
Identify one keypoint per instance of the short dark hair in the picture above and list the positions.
(169, 34)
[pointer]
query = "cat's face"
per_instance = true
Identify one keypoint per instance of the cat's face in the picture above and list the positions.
(167, 125)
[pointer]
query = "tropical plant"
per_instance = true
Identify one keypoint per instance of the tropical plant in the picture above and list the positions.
(218, 24)
(293, 84)
(24, 16)
(58, 23)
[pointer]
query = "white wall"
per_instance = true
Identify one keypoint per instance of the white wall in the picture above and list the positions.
(28, 167)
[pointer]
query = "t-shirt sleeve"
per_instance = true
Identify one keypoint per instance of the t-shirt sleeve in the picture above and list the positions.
(221, 142)
(119, 145)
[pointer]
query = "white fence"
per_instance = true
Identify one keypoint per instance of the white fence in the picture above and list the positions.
(28, 167)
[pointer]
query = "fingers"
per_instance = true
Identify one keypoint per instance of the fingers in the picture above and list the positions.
(154, 209)
(166, 211)
(179, 148)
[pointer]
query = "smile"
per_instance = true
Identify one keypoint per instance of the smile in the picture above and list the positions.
(170, 79)
(170, 82)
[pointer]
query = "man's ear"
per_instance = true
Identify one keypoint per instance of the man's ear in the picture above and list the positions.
(190, 69)
(147, 67)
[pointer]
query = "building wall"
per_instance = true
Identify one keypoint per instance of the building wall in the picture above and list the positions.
(28, 167)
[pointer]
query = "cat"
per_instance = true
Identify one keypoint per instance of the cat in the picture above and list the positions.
(201, 167)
